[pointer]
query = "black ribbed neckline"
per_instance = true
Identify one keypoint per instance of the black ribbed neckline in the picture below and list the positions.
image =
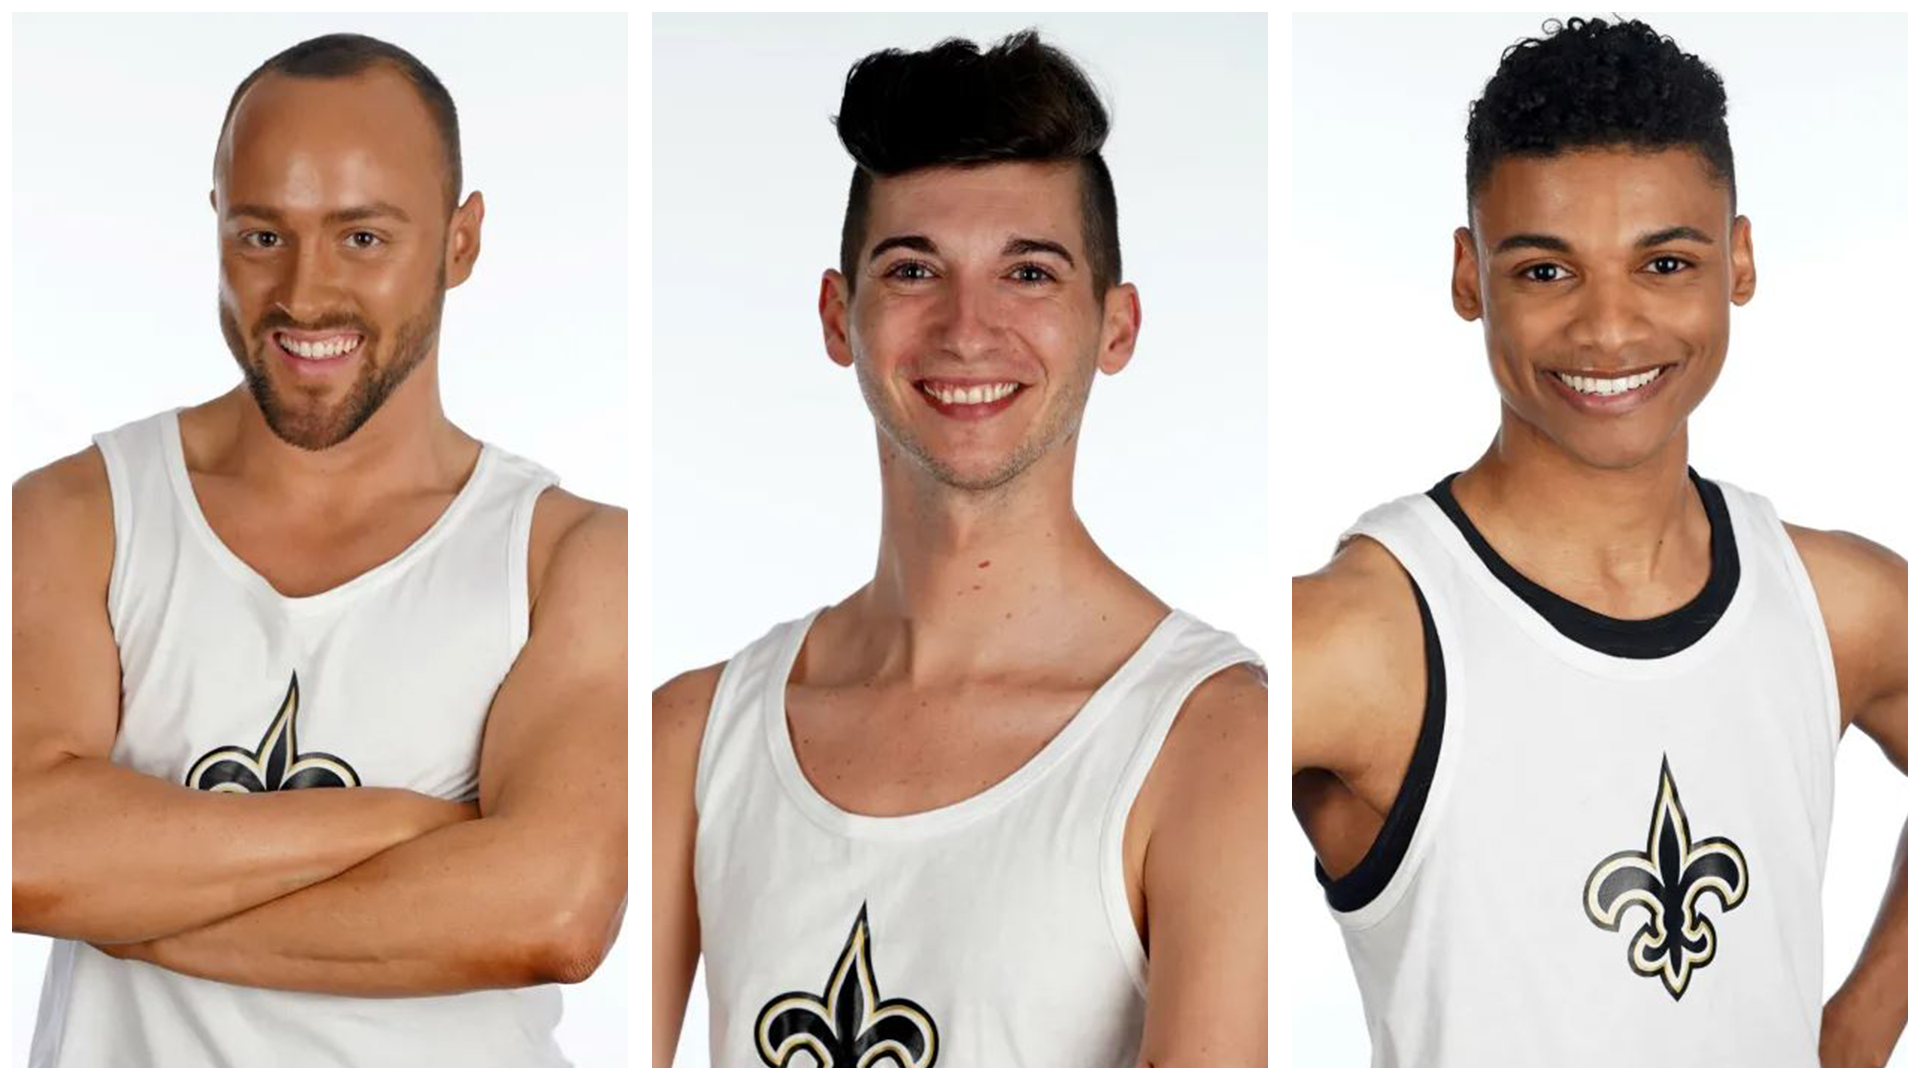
(1632, 639)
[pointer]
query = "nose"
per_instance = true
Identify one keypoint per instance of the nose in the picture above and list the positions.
(1609, 318)
(310, 289)
(969, 324)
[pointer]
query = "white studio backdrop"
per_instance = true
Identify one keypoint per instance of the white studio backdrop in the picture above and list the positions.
(1804, 413)
(115, 266)
(766, 493)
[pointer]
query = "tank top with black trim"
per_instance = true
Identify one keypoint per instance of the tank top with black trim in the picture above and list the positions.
(994, 931)
(1609, 846)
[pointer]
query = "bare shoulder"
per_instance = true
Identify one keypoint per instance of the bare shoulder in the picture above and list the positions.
(680, 709)
(1359, 665)
(573, 537)
(63, 514)
(1222, 725)
(1861, 587)
(1855, 574)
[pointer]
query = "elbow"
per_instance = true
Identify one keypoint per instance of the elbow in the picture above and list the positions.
(578, 943)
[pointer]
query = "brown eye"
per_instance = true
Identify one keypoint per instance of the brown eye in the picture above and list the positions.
(1032, 274)
(261, 238)
(909, 271)
(364, 239)
(1544, 273)
(1668, 264)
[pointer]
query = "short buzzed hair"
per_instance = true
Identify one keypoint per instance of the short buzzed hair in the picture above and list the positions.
(337, 56)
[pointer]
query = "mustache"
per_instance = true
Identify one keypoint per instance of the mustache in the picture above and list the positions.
(330, 321)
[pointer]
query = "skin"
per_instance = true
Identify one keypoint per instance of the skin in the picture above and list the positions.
(311, 488)
(1598, 509)
(985, 575)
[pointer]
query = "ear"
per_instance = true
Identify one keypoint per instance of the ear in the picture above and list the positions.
(1466, 276)
(1119, 328)
(463, 238)
(835, 297)
(212, 200)
(1743, 273)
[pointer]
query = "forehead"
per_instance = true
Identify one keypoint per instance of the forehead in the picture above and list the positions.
(1600, 191)
(992, 201)
(305, 137)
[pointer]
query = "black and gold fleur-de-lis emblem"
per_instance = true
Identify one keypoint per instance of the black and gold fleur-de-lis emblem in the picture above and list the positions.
(276, 764)
(849, 1026)
(1668, 879)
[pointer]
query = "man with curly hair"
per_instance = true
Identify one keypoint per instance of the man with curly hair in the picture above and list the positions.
(1564, 725)
(1001, 805)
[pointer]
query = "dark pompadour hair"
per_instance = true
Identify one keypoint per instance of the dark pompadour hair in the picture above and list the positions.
(338, 56)
(952, 104)
(1589, 83)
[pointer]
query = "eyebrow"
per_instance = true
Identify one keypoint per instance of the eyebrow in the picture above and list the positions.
(1019, 245)
(343, 216)
(1677, 232)
(1547, 242)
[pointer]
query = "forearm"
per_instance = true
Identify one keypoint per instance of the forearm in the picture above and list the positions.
(1866, 1015)
(107, 854)
(485, 904)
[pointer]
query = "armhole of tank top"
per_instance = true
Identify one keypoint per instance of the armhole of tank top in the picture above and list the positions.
(705, 760)
(1385, 857)
(1113, 825)
(1801, 582)
(121, 498)
(519, 549)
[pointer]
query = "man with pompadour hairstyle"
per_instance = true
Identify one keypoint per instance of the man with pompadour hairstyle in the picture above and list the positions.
(1001, 806)
(1564, 725)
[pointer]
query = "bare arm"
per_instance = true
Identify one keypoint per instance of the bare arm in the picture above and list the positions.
(104, 853)
(1862, 589)
(1206, 881)
(531, 892)
(679, 720)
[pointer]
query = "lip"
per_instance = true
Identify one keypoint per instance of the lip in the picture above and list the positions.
(315, 369)
(981, 411)
(1616, 404)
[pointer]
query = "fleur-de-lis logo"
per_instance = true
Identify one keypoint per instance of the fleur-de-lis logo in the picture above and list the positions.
(848, 1026)
(1668, 879)
(276, 764)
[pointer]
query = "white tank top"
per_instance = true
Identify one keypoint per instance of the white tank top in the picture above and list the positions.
(1609, 846)
(227, 685)
(993, 931)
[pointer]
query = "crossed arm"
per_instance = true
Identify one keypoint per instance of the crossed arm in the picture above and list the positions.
(369, 892)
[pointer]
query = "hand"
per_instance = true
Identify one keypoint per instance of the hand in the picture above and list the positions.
(127, 950)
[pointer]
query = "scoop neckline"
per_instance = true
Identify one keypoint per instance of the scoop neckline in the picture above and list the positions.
(923, 823)
(1659, 637)
(251, 579)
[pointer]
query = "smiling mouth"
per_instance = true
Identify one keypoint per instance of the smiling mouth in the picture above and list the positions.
(331, 347)
(980, 393)
(1605, 386)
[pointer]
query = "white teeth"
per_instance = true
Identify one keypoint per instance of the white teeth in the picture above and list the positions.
(1610, 387)
(319, 350)
(977, 394)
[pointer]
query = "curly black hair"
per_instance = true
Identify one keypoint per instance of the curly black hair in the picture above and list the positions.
(952, 104)
(1588, 82)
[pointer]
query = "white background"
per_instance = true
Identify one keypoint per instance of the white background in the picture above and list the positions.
(766, 495)
(115, 269)
(1391, 391)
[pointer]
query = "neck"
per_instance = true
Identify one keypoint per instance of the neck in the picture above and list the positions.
(967, 580)
(1621, 526)
(407, 443)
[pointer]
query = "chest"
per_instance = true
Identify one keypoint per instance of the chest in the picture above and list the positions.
(887, 751)
(303, 550)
